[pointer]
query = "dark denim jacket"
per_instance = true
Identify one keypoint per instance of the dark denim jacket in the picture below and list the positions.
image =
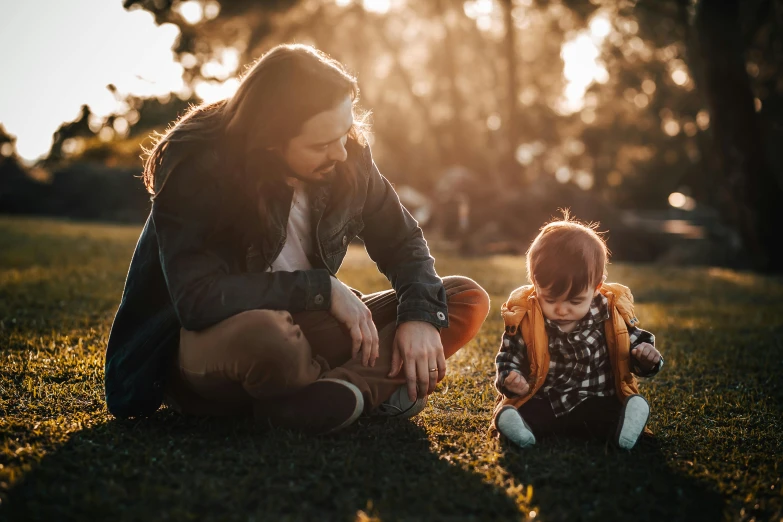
(197, 263)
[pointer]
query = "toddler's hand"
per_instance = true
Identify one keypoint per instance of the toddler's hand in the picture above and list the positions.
(647, 356)
(516, 383)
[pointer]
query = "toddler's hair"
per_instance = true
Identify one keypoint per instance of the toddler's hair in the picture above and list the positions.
(567, 256)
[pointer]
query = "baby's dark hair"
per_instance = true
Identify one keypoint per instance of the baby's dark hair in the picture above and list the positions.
(567, 256)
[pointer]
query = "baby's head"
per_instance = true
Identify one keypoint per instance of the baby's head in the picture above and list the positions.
(567, 265)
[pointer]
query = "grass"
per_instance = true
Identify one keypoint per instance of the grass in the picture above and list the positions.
(716, 453)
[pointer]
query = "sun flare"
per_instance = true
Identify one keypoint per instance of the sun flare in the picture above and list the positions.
(581, 63)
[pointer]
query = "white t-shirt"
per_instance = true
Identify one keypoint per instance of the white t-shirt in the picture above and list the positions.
(298, 244)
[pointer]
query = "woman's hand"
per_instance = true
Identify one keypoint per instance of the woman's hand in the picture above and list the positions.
(354, 314)
(417, 345)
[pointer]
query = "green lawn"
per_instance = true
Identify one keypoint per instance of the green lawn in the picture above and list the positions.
(716, 453)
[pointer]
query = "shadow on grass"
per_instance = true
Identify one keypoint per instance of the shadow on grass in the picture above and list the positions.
(170, 467)
(574, 479)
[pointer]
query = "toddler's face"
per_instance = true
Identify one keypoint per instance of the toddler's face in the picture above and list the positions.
(563, 311)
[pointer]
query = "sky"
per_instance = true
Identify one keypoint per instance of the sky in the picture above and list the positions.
(60, 54)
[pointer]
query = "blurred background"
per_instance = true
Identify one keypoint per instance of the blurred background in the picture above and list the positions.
(662, 119)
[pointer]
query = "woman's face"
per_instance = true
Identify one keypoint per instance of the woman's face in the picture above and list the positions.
(314, 153)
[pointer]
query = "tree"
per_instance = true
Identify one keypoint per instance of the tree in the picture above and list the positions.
(482, 84)
(751, 190)
(76, 129)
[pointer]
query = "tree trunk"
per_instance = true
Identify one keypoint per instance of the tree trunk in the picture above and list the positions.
(512, 93)
(460, 148)
(424, 109)
(753, 193)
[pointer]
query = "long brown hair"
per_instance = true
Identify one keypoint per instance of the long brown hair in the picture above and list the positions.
(277, 94)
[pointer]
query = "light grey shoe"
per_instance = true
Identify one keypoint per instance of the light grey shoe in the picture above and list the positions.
(400, 406)
(633, 419)
(511, 424)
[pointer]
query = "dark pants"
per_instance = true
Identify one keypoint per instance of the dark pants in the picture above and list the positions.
(595, 417)
(242, 364)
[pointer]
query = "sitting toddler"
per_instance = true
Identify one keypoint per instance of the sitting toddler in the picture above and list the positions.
(571, 346)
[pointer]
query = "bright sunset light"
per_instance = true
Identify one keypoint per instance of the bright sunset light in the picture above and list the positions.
(215, 91)
(135, 55)
(680, 200)
(55, 70)
(581, 64)
(194, 11)
(377, 6)
(191, 11)
(373, 6)
(124, 48)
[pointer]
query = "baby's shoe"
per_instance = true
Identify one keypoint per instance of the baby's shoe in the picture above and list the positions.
(511, 424)
(633, 419)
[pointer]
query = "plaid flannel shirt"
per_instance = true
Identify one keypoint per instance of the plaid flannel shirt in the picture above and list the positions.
(579, 365)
